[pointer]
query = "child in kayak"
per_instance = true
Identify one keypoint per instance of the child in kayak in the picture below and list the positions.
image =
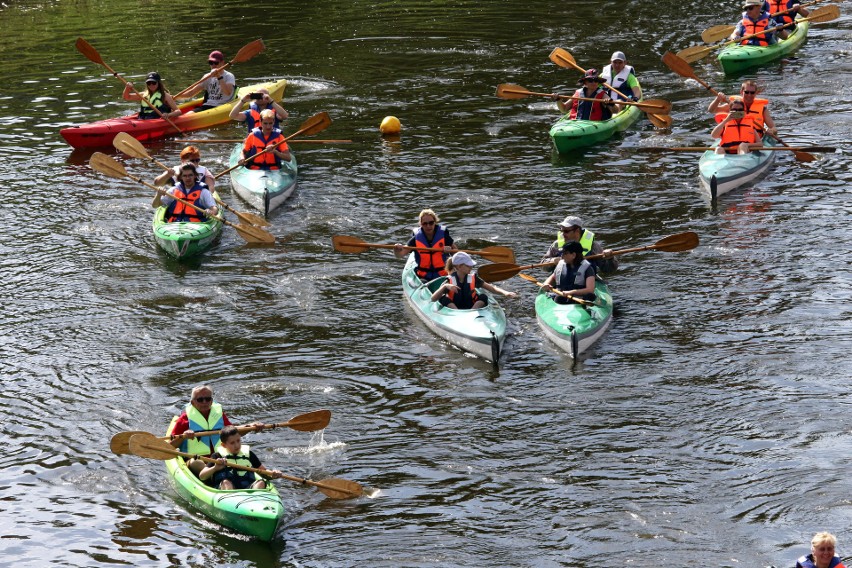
(459, 290)
(231, 449)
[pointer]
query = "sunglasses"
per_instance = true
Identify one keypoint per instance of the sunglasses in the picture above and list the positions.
(204, 399)
(195, 160)
(427, 223)
(590, 80)
(213, 62)
(569, 229)
(150, 82)
(749, 92)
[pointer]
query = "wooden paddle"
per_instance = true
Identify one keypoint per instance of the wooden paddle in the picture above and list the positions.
(698, 52)
(344, 243)
(244, 54)
(657, 149)
(564, 59)
(308, 422)
(316, 123)
(92, 55)
(149, 446)
(532, 279)
(510, 91)
(108, 166)
(718, 33)
(235, 141)
(673, 243)
(126, 143)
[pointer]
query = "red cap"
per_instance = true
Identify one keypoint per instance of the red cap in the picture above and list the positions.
(217, 55)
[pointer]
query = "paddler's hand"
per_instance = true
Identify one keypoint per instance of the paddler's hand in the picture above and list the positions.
(547, 288)
(772, 130)
(221, 463)
(607, 101)
(721, 97)
(274, 474)
(607, 253)
(188, 435)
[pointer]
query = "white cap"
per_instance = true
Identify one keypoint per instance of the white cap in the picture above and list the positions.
(618, 55)
(463, 258)
(571, 221)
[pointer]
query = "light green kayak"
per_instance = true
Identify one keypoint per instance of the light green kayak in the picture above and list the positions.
(574, 327)
(481, 332)
(736, 58)
(570, 134)
(263, 189)
(720, 174)
(252, 512)
(183, 240)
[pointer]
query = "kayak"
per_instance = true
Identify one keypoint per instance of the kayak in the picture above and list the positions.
(574, 327)
(102, 132)
(721, 174)
(252, 512)
(264, 190)
(481, 332)
(570, 134)
(183, 240)
(736, 58)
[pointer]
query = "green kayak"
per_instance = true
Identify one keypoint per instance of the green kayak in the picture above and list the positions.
(481, 332)
(574, 327)
(736, 58)
(183, 240)
(263, 189)
(252, 512)
(570, 134)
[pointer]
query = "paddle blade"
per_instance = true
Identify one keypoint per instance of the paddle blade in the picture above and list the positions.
(248, 51)
(88, 51)
(149, 446)
(663, 121)
(679, 65)
(254, 235)
(498, 271)
(336, 488)
(107, 165)
(695, 53)
(530, 278)
(316, 123)
(126, 143)
(660, 106)
(497, 254)
(509, 91)
(310, 421)
(717, 33)
(824, 14)
(120, 443)
(344, 243)
(677, 243)
(564, 59)
(245, 216)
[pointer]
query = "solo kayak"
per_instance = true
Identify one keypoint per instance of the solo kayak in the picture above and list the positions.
(183, 240)
(574, 327)
(252, 512)
(102, 132)
(264, 190)
(720, 174)
(481, 332)
(736, 58)
(570, 134)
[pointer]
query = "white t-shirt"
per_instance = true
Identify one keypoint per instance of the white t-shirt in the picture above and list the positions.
(214, 92)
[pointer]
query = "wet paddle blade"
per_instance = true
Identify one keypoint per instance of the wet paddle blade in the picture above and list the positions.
(344, 243)
(252, 234)
(498, 271)
(695, 53)
(659, 106)
(824, 14)
(564, 59)
(316, 123)
(310, 421)
(336, 488)
(246, 217)
(497, 254)
(717, 33)
(88, 51)
(149, 446)
(107, 165)
(510, 91)
(663, 121)
(126, 143)
(677, 243)
(248, 51)
(679, 65)
(120, 443)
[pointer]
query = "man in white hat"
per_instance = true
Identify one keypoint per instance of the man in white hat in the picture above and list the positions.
(571, 229)
(755, 19)
(623, 78)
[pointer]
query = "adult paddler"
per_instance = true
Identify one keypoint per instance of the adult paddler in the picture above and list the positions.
(756, 109)
(429, 234)
(622, 78)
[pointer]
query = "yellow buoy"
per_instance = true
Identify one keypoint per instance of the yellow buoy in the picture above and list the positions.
(390, 125)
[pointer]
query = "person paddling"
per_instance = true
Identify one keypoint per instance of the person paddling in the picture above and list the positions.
(574, 275)
(756, 109)
(459, 292)
(430, 234)
(736, 133)
(230, 449)
(591, 88)
(622, 78)
(754, 20)
(784, 12)
(219, 86)
(156, 94)
(822, 553)
(259, 139)
(189, 155)
(571, 229)
(189, 189)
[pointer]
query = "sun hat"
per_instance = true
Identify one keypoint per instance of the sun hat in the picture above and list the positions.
(463, 258)
(571, 221)
(591, 74)
(749, 3)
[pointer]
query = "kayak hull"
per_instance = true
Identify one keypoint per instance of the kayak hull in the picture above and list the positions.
(481, 332)
(101, 133)
(265, 190)
(722, 174)
(184, 240)
(736, 58)
(568, 135)
(573, 327)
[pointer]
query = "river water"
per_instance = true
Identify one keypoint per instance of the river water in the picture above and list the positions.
(709, 425)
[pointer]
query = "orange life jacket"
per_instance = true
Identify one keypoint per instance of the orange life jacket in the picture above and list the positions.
(776, 6)
(473, 295)
(256, 143)
(433, 262)
(754, 112)
(736, 132)
(750, 28)
(178, 212)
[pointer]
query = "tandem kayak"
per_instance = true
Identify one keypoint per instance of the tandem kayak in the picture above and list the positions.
(721, 174)
(481, 332)
(570, 134)
(736, 58)
(574, 327)
(102, 132)
(264, 190)
(252, 512)
(183, 240)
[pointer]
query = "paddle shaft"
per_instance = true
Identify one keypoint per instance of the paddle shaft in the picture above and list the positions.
(227, 141)
(555, 291)
(244, 54)
(641, 105)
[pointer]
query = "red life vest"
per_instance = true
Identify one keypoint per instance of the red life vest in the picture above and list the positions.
(776, 6)
(473, 295)
(177, 212)
(750, 28)
(588, 110)
(736, 132)
(430, 261)
(256, 143)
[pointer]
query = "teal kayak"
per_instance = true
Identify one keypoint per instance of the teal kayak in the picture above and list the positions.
(721, 174)
(574, 327)
(736, 58)
(183, 240)
(481, 332)
(252, 512)
(570, 134)
(264, 190)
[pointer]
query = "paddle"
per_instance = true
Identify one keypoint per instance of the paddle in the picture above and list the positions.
(510, 91)
(226, 141)
(565, 59)
(244, 54)
(316, 123)
(555, 291)
(698, 52)
(108, 166)
(673, 243)
(126, 143)
(753, 148)
(92, 55)
(149, 446)
(344, 243)
(718, 33)
(308, 422)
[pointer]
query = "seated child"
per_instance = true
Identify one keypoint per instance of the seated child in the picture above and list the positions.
(231, 449)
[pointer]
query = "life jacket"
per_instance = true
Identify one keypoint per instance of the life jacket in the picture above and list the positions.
(776, 6)
(619, 82)
(586, 241)
(243, 458)
(203, 446)
(256, 143)
(157, 99)
(178, 212)
(589, 110)
(754, 112)
(453, 279)
(253, 117)
(430, 263)
(736, 132)
(808, 562)
(564, 274)
(750, 27)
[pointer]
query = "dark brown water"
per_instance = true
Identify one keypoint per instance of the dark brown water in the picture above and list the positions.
(709, 426)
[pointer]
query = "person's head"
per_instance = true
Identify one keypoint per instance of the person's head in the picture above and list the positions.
(428, 221)
(736, 106)
(190, 154)
(571, 227)
(822, 547)
(591, 79)
(188, 175)
(617, 61)
(267, 120)
(216, 58)
(153, 82)
(753, 7)
(461, 263)
(231, 439)
(202, 397)
(572, 253)
(748, 90)
(266, 97)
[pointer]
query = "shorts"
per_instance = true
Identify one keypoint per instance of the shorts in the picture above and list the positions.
(239, 481)
(445, 300)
